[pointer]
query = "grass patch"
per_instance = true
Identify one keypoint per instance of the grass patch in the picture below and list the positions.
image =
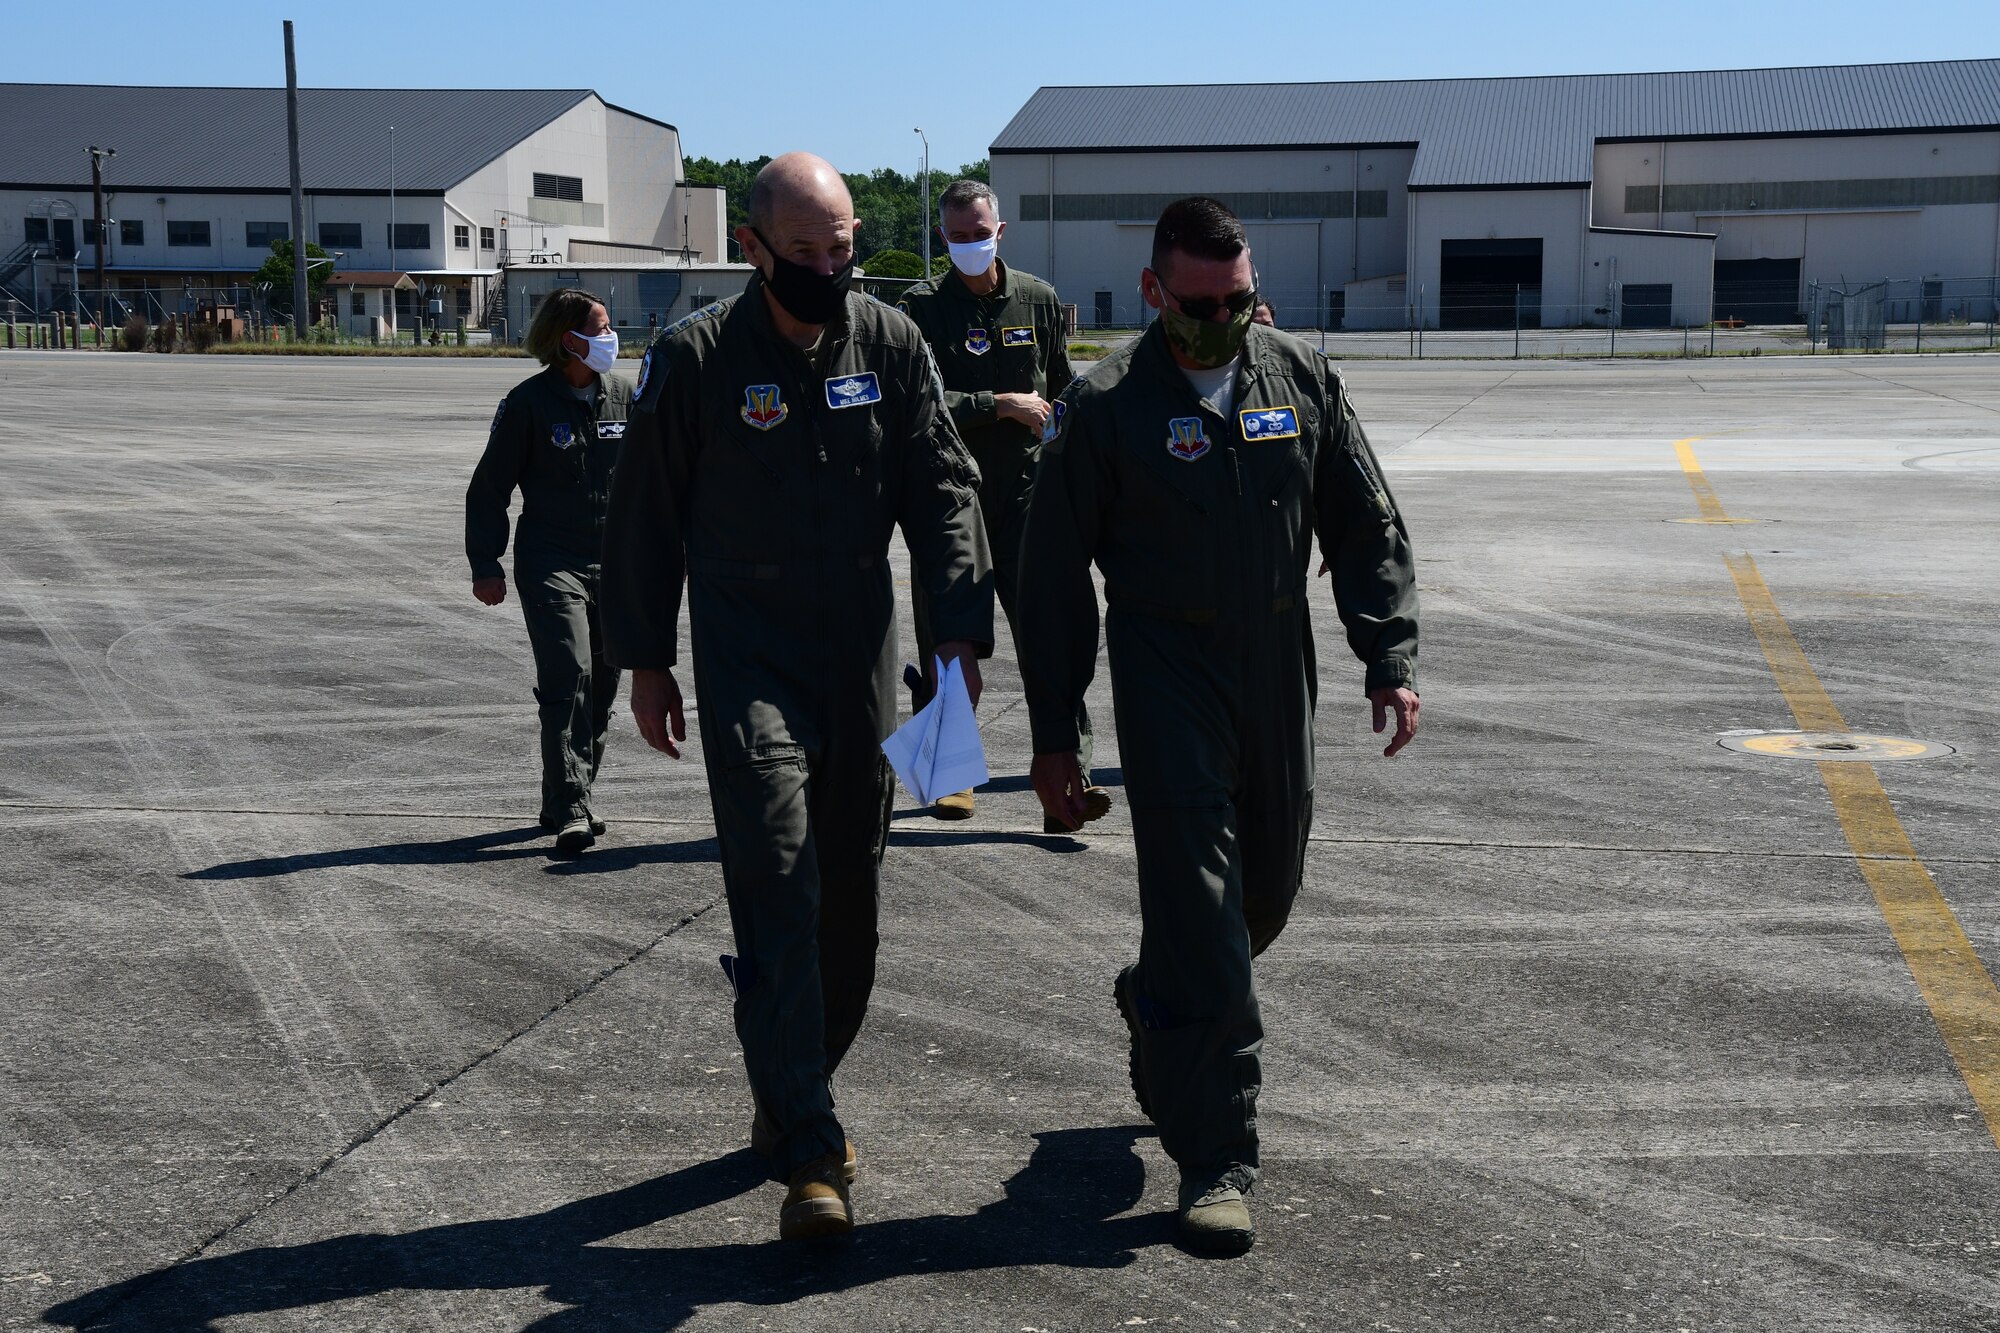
(1088, 351)
(358, 349)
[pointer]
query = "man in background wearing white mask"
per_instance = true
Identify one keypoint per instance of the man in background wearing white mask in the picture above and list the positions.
(1001, 348)
(556, 437)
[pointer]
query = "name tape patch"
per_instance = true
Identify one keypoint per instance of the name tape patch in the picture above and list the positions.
(1269, 423)
(853, 390)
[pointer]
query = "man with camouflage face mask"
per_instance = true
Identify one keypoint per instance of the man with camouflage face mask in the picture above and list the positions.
(1193, 467)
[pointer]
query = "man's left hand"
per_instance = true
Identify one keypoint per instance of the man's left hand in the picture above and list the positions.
(1402, 702)
(966, 654)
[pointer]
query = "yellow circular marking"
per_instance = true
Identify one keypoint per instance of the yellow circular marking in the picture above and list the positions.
(1840, 745)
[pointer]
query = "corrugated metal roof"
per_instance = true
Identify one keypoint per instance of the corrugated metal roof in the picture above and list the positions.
(1516, 131)
(234, 138)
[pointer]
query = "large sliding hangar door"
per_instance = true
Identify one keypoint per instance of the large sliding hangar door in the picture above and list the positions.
(1490, 283)
(1757, 291)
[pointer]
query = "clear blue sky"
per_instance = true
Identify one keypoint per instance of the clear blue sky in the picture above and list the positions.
(850, 81)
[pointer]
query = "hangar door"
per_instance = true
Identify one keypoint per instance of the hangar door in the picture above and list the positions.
(1481, 283)
(1646, 305)
(1757, 291)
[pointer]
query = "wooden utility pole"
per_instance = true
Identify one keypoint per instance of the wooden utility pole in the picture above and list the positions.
(97, 156)
(301, 317)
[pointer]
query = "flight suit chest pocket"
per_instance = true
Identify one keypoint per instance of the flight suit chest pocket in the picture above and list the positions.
(856, 444)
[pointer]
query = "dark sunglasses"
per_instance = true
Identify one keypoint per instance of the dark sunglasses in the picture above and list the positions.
(1205, 308)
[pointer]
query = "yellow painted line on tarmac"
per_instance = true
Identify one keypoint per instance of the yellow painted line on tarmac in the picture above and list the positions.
(1959, 990)
(1704, 494)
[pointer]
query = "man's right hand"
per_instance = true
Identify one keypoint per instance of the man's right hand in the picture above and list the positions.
(491, 591)
(1030, 409)
(1058, 783)
(656, 707)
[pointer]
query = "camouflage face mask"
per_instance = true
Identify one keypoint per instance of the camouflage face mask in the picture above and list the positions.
(1204, 342)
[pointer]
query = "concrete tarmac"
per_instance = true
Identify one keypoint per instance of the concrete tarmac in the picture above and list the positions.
(1583, 1021)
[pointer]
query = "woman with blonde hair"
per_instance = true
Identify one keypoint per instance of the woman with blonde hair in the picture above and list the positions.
(556, 439)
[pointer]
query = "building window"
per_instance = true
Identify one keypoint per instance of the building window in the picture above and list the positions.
(35, 231)
(558, 187)
(486, 238)
(461, 237)
(187, 233)
(340, 235)
(412, 236)
(259, 235)
(90, 232)
(132, 232)
(357, 301)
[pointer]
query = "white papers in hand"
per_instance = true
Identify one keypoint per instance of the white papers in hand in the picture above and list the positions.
(938, 751)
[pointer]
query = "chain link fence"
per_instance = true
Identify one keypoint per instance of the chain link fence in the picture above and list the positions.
(1901, 315)
(64, 316)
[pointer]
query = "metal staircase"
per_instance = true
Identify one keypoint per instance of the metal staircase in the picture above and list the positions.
(495, 311)
(16, 263)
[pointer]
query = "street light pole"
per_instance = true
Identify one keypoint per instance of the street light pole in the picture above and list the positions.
(301, 317)
(927, 199)
(97, 156)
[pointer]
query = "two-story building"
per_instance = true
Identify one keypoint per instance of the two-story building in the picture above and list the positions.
(418, 195)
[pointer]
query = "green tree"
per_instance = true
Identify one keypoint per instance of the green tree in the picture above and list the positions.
(894, 264)
(889, 204)
(277, 270)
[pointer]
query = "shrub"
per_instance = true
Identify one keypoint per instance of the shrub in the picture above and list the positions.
(165, 336)
(132, 338)
(201, 337)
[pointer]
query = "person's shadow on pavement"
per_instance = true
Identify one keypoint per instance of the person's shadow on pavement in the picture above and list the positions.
(475, 849)
(1062, 1209)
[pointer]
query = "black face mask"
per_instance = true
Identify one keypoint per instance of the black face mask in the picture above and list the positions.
(809, 296)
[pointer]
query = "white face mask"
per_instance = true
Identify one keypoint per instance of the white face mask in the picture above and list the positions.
(973, 258)
(603, 353)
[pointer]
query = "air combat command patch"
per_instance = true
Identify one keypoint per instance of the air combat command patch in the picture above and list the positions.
(1186, 440)
(763, 406)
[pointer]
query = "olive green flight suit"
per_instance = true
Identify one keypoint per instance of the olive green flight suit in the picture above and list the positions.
(560, 451)
(1202, 527)
(773, 481)
(1011, 340)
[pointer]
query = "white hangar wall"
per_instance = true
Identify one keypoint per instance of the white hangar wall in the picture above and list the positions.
(1842, 208)
(1298, 207)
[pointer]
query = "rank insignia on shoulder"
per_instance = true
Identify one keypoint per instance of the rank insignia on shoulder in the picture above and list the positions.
(977, 342)
(610, 430)
(1053, 426)
(1022, 337)
(645, 372)
(853, 390)
(763, 406)
(561, 436)
(1186, 439)
(1269, 423)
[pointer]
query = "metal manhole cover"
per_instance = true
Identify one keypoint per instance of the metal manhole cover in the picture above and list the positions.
(1818, 745)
